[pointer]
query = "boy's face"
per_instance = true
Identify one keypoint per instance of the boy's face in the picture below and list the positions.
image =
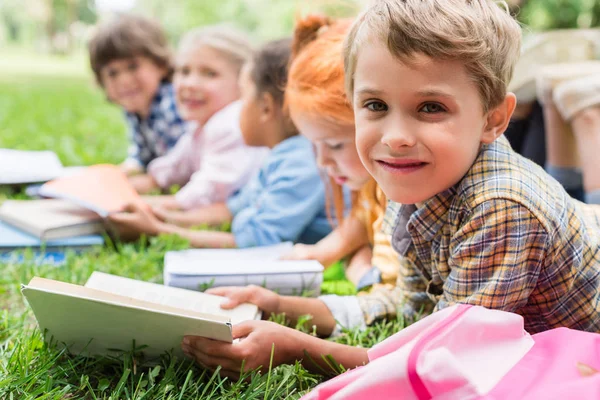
(205, 81)
(132, 83)
(419, 127)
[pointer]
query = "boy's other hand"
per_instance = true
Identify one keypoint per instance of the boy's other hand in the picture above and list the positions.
(300, 252)
(266, 300)
(258, 339)
(135, 220)
(131, 167)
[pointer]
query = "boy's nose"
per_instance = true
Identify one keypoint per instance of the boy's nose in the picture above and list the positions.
(398, 135)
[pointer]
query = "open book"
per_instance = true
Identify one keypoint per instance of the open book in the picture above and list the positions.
(101, 188)
(198, 268)
(50, 219)
(111, 313)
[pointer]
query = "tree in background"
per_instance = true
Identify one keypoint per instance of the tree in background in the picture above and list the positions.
(56, 23)
(265, 19)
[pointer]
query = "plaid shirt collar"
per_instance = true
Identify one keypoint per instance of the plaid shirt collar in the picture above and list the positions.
(155, 106)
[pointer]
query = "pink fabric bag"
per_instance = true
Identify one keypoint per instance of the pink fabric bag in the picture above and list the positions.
(466, 352)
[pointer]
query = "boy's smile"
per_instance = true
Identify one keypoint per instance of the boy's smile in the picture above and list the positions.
(419, 125)
(132, 83)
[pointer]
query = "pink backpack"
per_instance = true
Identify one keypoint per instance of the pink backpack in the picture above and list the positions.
(466, 352)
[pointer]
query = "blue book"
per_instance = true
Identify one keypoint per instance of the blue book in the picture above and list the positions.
(12, 238)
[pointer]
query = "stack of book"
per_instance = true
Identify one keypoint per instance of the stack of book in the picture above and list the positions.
(72, 216)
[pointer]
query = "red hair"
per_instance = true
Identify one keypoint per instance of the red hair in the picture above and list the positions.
(316, 81)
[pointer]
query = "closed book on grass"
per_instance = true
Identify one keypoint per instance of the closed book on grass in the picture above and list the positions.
(112, 315)
(50, 219)
(201, 268)
(12, 238)
(103, 189)
(21, 167)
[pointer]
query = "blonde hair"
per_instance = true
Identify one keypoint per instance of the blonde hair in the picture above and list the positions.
(230, 42)
(479, 33)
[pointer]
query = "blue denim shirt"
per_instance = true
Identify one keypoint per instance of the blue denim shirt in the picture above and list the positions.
(154, 136)
(284, 202)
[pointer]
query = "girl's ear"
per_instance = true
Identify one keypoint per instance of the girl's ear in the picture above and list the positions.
(268, 108)
(498, 119)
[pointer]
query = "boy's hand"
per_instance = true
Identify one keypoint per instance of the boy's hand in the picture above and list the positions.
(300, 252)
(136, 219)
(266, 300)
(168, 215)
(257, 340)
(143, 183)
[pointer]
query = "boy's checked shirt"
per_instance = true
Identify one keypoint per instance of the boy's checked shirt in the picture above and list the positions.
(154, 136)
(506, 237)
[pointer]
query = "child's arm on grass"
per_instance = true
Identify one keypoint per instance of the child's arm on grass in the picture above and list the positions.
(344, 240)
(213, 215)
(261, 338)
(139, 219)
(200, 239)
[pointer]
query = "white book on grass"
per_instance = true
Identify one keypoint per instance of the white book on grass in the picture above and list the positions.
(198, 269)
(20, 167)
(110, 314)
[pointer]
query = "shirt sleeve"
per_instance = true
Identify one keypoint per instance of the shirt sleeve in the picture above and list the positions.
(133, 149)
(226, 165)
(346, 312)
(293, 196)
(495, 258)
(175, 167)
(408, 298)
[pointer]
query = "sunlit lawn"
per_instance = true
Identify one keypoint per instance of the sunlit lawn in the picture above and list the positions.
(53, 103)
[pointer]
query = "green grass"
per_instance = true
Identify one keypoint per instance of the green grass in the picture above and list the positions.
(52, 103)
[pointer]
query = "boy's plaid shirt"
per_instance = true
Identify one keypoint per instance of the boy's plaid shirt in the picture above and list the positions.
(506, 237)
(154, 136)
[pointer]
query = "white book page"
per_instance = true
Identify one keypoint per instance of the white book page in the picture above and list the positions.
(169, 296)
(28, 166)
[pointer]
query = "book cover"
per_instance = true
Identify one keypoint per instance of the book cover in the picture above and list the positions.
(101, 188)
(50, 219)
(92, 321)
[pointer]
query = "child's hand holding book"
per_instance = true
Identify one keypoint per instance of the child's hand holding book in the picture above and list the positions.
(266, 300)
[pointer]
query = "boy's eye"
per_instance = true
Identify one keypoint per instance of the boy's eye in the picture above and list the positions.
(182, 70)
(112, 73)
(209, 73)
(133, 66)
(376, 106)
(432, 108)
(336, 146)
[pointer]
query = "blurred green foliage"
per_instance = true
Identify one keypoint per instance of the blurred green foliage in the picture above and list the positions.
(558, 14)
(60, 24)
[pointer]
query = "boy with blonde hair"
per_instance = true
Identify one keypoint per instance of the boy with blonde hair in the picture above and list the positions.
(473, 221)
